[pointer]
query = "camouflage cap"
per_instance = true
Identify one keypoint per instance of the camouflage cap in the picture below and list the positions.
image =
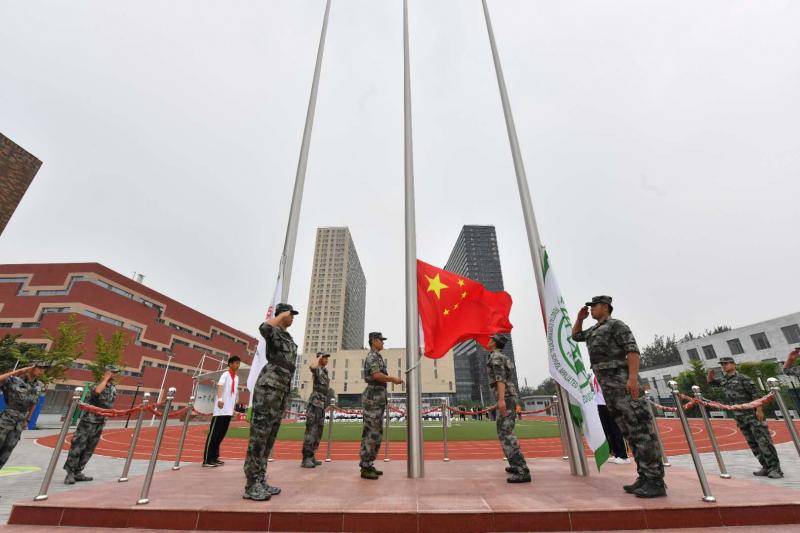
(112, 368)
(282, 308)
(726, 359)
(377, 335)
(500, 340)
(41, 363)
(602, 299)
(323, 354)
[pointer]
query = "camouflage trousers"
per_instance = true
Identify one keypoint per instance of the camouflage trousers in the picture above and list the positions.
(83, 444)
(634, 420)
(756, 433)
(372, 433)
(10, 433)
(268, 406)
(315, 422)
(508, 441)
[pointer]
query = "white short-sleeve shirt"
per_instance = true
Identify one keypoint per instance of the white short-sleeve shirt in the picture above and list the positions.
(227, 396)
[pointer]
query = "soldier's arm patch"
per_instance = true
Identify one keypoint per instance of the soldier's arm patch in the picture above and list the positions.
(624, 337)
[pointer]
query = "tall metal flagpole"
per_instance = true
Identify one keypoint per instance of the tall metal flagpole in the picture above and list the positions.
(287, 261)
(577, 459)
(416, 468)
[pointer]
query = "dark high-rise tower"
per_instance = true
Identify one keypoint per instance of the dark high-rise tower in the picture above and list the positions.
(475, 256)
(17, 169)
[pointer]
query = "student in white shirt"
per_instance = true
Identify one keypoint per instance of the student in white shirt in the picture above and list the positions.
(227, 393)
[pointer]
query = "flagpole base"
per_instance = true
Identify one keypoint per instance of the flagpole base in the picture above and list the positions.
(446, 459)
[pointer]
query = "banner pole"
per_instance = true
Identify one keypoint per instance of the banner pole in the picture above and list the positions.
(573, 436)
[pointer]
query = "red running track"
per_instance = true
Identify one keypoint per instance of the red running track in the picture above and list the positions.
(115, 443)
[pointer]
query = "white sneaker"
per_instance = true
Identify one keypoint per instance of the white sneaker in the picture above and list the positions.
(620, 461)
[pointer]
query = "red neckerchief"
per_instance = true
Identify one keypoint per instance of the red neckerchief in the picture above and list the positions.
(233, 381)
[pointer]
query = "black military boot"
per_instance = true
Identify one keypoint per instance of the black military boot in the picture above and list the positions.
(511, 469)
(316, 461)
(379, 472)
(775, 474)
(369, 473)
(255, 491)
(633, 486)
(81, 477)
(70, 479)
(651, 489)
(520, 477)
(308, 462)
(761, 473)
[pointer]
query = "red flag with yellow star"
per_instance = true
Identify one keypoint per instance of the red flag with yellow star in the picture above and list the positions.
(455, 309)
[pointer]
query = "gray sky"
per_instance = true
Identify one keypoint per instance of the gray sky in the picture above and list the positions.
(660, 138)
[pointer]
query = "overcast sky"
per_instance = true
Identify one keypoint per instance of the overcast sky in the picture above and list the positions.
(661, 140)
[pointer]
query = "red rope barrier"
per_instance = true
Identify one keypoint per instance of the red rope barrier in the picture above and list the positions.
(755, 404)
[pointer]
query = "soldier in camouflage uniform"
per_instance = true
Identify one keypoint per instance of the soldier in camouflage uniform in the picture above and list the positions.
(736, 389)
(500, 371)
(614, 357)
(788, 367)
(315, 412)
(22, 389)
(90, 427)
(373, 402)
(270, 397)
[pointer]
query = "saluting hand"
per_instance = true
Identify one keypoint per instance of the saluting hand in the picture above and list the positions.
(19, 371)
(583, 314)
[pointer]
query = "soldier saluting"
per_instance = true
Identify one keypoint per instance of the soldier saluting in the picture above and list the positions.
(270, 397)
(315, 412)
(90, 427)
(373, 402)
(614, 357)
(21, 388)
(738, 388)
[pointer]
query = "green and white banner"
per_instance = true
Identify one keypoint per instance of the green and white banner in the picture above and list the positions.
(568, 369)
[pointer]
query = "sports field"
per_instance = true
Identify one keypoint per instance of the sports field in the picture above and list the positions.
(459, 431)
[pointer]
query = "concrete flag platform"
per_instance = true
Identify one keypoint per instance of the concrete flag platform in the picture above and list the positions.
(459, 496)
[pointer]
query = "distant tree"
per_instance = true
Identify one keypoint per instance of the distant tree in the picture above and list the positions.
(107, 352)
(546, 387)
(527, 391)
(65, 347)
(662, 351)
(17, 354)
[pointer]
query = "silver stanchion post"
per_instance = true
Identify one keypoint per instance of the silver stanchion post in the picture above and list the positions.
(48, 476)
(331, 409)
(723, 472)
(444, 428)
(134, 439)
(664, 458)
(557, 410)
(151, 468)
(386, 434)
(775, 387)
(185, 429)
(698, 465)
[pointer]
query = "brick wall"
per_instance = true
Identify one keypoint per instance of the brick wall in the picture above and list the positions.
(17, 169)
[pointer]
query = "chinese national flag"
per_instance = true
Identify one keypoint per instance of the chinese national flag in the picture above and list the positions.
(455, 309)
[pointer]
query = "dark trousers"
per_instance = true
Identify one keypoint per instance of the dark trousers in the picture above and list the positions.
(217, 431)
(613, 433)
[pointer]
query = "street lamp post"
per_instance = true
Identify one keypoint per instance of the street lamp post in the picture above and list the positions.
(133, 402)
(161, 389)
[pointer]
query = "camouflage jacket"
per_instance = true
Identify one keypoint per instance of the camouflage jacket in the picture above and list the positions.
(104, 400)
(375, 389)
(20, 395)
(736, 388)
(499, 368)
(281, 357)
(609, 342)
(321, 394)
